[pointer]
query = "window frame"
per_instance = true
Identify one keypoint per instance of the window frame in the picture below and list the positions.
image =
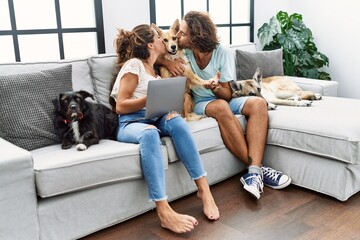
(230, 25)
(98, 29)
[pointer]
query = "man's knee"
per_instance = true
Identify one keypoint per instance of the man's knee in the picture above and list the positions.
(255, 104)
(217, 108)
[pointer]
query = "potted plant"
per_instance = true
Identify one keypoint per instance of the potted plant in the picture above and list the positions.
(300, 55)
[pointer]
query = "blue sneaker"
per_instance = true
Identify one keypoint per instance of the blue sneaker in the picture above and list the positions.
(253, 184)
(275, 179)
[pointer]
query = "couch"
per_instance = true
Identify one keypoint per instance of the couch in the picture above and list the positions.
(50, 193)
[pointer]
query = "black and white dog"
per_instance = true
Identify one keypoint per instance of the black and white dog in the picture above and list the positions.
(80, 122)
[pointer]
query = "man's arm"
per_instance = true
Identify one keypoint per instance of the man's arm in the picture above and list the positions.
(222, 91)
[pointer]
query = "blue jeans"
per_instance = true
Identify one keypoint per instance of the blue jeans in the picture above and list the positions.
(133, 128)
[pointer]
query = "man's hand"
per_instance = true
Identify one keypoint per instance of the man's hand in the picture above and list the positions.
(213, 83)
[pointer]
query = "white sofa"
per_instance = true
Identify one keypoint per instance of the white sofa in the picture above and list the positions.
(49, 193)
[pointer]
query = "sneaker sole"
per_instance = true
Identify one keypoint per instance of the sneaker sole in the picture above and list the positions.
(284, 185)
(253, 192)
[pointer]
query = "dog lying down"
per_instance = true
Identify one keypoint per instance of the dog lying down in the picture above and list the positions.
(277, 90)
(77, 121)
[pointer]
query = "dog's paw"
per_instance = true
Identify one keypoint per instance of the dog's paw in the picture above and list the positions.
(81, 147)
(318, 96)
(271, 106)
(304, 103)
(193, 117)
(66, 145)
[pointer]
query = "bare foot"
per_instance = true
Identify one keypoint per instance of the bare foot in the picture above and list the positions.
(178, 223)
(211, 211)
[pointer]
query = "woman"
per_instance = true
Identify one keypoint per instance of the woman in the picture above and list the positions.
(137, 52)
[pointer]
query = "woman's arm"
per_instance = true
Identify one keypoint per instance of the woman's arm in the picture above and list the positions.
(124, 103)
(175, 67)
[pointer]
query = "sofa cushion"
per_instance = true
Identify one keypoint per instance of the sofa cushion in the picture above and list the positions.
(80, 71)
(103, 69)
(206, 134)
(270, 62)
(329, 128)
(26, 110)
(71, 170)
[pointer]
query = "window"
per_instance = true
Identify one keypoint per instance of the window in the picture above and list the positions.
(39, 30)
(234, 18)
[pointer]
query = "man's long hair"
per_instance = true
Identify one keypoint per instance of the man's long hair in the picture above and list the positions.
(202, 30)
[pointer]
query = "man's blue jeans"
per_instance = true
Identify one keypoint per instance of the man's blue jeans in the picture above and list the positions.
(133, 128)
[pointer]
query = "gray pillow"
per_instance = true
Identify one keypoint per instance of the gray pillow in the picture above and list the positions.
(26, 109)
(270, 62)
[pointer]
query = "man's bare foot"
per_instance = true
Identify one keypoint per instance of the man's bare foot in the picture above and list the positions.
(178, 223)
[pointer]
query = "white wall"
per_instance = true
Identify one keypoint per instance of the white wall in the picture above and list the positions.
(335, 28)
(122, 14)
(334, 25)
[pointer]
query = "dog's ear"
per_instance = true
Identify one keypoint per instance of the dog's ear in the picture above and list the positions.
(234, 85)
(56, 102)
(86, 94)
(157, 29)
(176, 25)
(235, 88)
(258, 75)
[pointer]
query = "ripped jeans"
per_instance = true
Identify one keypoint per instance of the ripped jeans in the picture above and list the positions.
(134, 129)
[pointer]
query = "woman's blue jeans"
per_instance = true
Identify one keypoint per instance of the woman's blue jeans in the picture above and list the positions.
(134, 129)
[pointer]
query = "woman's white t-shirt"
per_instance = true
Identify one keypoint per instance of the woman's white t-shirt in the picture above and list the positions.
(134, 66)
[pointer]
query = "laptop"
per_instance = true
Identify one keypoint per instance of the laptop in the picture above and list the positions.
(165, 95)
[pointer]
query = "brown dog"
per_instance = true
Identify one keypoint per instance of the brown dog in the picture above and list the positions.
(277, 90)
(171, 44)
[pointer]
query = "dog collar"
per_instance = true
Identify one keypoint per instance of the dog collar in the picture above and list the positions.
(67, 121)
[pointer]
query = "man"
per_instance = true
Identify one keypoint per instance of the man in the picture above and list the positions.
(198, 35)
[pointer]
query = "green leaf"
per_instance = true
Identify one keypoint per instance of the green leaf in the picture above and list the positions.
(296, 16)
(292, 40)
(310, 73)
(268, 31)
(284, 21)
(324, 76)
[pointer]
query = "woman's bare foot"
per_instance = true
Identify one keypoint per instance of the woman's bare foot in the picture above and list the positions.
(211, 211)
(178, 223)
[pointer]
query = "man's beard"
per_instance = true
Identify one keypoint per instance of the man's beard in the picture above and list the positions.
(183, 45)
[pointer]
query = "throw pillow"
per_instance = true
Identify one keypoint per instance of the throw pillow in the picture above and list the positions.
(270, 62)
(26, 110)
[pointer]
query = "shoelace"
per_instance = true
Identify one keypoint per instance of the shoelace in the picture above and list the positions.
(271, 173)
(256, 180)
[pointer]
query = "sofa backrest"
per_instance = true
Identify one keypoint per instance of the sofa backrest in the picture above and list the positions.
(80, 71)
(92, 74)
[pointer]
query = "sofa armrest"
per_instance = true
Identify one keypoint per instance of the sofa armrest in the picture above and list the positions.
(18, 201)
(324, 87)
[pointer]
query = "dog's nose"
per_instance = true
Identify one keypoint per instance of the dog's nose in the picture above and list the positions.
(73, 107)
(173, 47)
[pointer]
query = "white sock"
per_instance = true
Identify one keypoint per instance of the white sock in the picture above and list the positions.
(255, 169)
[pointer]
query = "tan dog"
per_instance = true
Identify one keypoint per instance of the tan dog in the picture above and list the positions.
(173, 52)
(276, 90)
